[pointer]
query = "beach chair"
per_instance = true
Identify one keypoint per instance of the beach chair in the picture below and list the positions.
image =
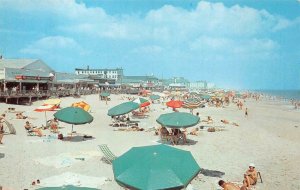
(107, 154)
(30, 132)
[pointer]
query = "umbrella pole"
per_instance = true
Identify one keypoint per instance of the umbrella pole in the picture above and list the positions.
(46, 118)
(72, 131)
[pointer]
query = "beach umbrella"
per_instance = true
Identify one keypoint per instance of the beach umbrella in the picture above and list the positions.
(142, 102)
(155, 167)
(74, 116)
(67, 187)
(205, 96)
(123, 108)
(178, 120)
(45, 108)
(52, 101)
(175, 104)
(154, 97)
(191, 103)
(104, 94)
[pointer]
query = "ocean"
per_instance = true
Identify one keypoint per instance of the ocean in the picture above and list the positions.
(287, 94)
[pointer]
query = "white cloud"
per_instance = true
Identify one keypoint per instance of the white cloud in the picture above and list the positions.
(53, 44)
(164, 24)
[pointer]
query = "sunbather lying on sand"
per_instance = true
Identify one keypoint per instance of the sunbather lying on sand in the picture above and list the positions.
(194, 131)
(20, 116)
(209, 120)
(224, 121)
(230, 186)
(227, 122)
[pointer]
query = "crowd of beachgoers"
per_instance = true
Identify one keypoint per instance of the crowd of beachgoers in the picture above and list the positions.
(240, 140)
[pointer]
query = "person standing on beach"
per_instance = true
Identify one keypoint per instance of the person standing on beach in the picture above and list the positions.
(246, 112)
(1, 127)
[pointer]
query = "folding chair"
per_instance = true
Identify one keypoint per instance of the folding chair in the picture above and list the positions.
(107, 154)
(30, 132)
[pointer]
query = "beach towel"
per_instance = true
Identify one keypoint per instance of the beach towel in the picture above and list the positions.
(74, 179)
(67, 159)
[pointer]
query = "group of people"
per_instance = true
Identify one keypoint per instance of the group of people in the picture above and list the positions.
(250, 179)
(174, 135)
(53, 124)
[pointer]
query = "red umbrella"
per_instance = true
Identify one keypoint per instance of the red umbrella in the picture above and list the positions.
(175, 104)
(45, 108)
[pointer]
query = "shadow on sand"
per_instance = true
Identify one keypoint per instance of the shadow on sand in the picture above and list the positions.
(2, 155)
(77, 138)
(188, 143)
(212, 173)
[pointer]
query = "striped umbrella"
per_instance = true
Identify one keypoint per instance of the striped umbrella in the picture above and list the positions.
(191, 103)
(142, 102)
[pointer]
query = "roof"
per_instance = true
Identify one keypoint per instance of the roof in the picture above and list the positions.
(140, 78)
(89, 69)
(16, 63)
(69, 76)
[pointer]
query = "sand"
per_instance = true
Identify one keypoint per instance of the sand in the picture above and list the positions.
(268, 137)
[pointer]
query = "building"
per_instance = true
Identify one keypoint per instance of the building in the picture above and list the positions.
(211, 85)
(102, 75)
(198, 85)
(24, 74)
(147, 82)
(176, 83)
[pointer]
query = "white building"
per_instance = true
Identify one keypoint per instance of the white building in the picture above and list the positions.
(211, 85)
(198, 85)
(112, 74)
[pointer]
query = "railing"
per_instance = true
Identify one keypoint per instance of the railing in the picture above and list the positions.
(46, 93)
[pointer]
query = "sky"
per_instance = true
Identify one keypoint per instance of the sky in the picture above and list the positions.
(240, 44)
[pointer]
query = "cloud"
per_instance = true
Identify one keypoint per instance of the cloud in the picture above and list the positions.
(52, 44)
(210, 36)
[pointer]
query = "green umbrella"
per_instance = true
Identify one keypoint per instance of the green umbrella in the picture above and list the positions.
(68, 187)
(74, 116)
(123, 108)
(206, 97)
(154, 97)
(104, 94)
(155, 167)
(178, 120)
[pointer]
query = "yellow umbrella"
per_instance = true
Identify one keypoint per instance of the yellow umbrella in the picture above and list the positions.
(52, 101)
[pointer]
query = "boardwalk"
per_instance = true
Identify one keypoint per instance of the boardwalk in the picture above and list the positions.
(26, 97)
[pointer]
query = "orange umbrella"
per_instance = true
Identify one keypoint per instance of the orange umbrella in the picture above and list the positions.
(175, 104)
(45, 108)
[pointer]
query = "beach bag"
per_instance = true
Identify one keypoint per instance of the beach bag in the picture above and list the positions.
(60, 136)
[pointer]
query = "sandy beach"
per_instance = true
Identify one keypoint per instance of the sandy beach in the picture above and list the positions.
(268, 137)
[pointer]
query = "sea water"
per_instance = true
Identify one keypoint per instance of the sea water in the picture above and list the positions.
(285, 94)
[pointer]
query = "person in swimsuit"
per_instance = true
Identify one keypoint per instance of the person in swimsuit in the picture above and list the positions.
(29, 127)
(54, 125)
(250, 177)
(1, 127)
(230, 186)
